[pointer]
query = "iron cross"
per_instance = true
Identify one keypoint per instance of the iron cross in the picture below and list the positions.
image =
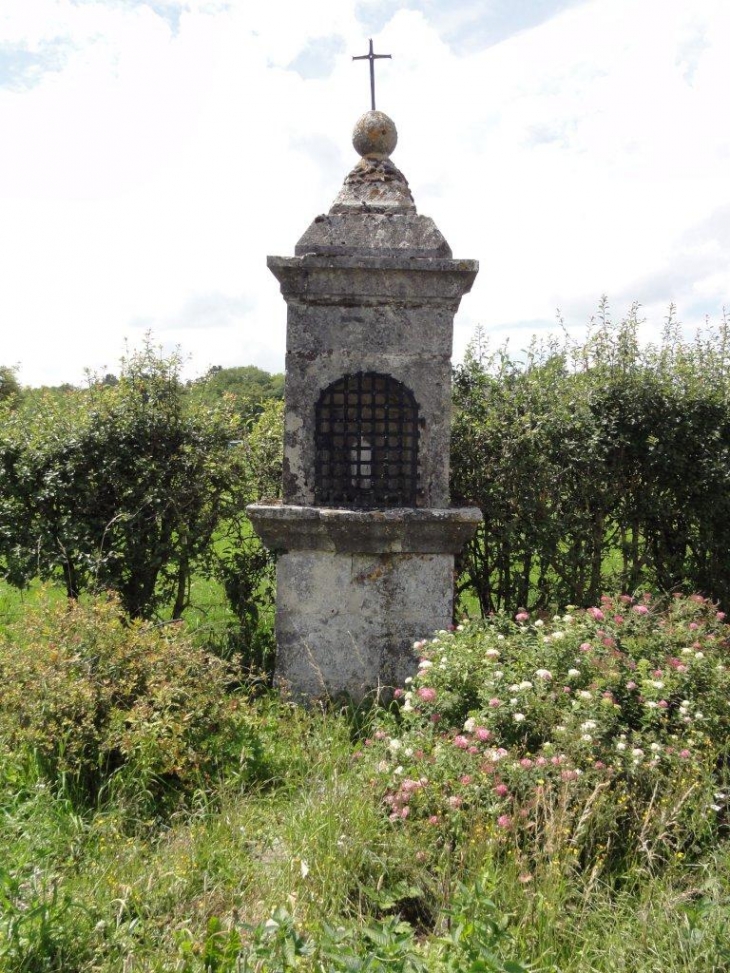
(371, 57)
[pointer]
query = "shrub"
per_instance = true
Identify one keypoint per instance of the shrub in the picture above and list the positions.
(96, 702)
(597, 737)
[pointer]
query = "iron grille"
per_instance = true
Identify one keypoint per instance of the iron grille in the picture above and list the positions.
(366, 443)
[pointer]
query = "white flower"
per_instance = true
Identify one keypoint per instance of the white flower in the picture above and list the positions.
(568, 619)
(497, 674)
(546, 639)
(587, 738)
(620, 745)
(538, 623)
(585, 694)
(658, 684)
(398, 770)
(637, 752)
(656, 748)
(408, 680)
(544, 674)
(425, 664)
(589, 725)
(492, 653)
(652, 705)
(513, 701)
(519, 717)
(699, 715)
(500, 638)
(394, 745)
(558, 635)
(715, 807)
(408, 751)
(699, 655)
(573, 673)
(459, 628)
(687, 651)
(525, 684)
(557, 618)
(470, 724)
(515, 687)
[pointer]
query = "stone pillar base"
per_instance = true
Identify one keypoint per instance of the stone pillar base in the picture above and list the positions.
(355, 589)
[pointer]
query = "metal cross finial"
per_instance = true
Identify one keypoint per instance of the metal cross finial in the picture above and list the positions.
(371, 57)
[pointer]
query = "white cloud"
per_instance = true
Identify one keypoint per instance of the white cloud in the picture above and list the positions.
(147, 173)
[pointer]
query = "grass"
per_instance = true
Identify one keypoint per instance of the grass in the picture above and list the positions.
(301, 869)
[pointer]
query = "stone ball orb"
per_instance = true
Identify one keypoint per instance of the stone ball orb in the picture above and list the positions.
(374, 135)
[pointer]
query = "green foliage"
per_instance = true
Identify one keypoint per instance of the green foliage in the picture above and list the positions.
(136, 711)
(592, 741)
(247, 388)
(597, 466)
(122, 486)
(10, 390)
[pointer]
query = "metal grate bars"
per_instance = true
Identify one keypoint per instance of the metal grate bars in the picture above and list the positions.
(366, 443)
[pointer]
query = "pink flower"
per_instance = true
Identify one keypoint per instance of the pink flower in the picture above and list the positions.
(585, 646)
(596, 613)
(501, 790)
(544, 674)
(398, 693)
(526, 763)
(640, 609)
(405, 812)
(631, 684)
(618, 619)
(434, 819)
(609, 643)
(427, 694)
(693, 626)
(481, 733)
(720, 616)
(684, 754)
(599, 765)
(473, 749)
(435, 717)
(626, 599)
(455, 801)
(461, 742)
(494, 702)
(504, 821)
(522, 617)
(541, 761)
(569, 775)
(663, 704)
(465, 779)
(657, 673)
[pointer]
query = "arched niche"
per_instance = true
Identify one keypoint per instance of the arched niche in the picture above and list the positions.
(366, 443)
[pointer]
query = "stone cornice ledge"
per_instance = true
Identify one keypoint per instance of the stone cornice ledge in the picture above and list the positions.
(409, 530)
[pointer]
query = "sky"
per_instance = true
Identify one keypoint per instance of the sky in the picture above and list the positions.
(153, 152)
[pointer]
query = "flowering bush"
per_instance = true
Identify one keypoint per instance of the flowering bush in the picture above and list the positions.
(591, 737)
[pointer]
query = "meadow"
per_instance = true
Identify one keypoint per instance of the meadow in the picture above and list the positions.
(547, 793)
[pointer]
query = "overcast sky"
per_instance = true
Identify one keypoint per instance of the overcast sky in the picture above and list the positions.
(153, 152)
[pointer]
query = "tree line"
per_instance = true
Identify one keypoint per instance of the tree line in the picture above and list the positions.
(599, 465)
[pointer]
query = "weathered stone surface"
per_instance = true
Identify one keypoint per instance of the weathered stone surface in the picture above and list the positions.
(372, 288)
(367, 233)
(407, 530)
(346, 623)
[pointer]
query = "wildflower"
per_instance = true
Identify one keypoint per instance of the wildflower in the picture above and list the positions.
(585, 647)
(481, 733)
(618, 619)
(620, 745)
(587, 738)
(657, 684)
(525, 684)
(522, 617)
(394, 745)
(637, 752)
(596, 613)
(425, 664)
(525, 763)
(538, 623)
(461, 742)
(684, 754)
(501, 790)
(494, 702)
(455, 801)
(585, 694)
(640, 609)
(573, 673)
(699, 655)
(589, 725)
(469, 725)
(631, 684)
(465, 779)
(427, 694)
(663, 704)
(558, 635)
(519, 717)
(434, 819)
(492, 653)
(544, 674)
(504, 821)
